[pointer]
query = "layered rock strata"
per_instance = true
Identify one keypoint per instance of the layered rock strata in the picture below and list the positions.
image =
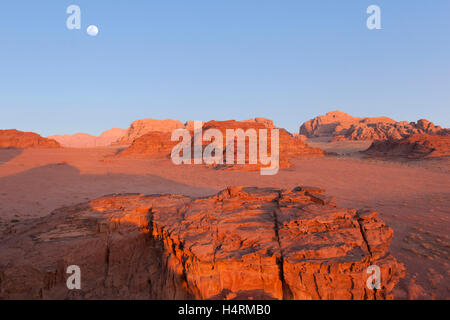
(340, 126)
(260, 243)
(159, 144)
(84, 140)
(419, 146)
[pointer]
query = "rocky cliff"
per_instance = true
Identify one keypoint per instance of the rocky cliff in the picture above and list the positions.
(418, 146)
(336, 123)
(241, 243)
(391, 131)
(84, 140)
(154, 144)
(25, 140)
(341, 126)
(143, 126)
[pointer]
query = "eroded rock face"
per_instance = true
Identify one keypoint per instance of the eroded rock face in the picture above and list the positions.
(336, 123)
(419, 146)
(391, 131)
(143, 126)
(264, 121)
(154, 144)
(242, 243)
(341, 126)
(84, 140)
(289, 146)
(159, 144)
(25, 140)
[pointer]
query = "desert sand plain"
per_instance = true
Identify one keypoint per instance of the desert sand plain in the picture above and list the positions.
(404, 176)
(412, 197)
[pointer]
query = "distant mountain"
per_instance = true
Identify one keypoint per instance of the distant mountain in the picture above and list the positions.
(25, 140)
(340, 126)
(418, 146)
(84, 140)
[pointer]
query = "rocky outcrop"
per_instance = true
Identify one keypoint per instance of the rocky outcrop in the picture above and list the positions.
(140, 127)
(243, 242)
(390, 131)
(264, 121)
(289, 146)
(84, 140)
(300, 136)
(418, 146)
(154, 144)
(336, 123)
(159, 144)
(257, 122)
(341, 127)
(25, 140)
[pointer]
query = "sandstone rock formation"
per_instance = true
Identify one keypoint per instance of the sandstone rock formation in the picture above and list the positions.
(341, 126)
(140, 127)
(154, 144)
(159, 144)
(300, 136)
(243, 242)
(84, 140)
(391, 131)
(259, 122)
(264, 121)
(418, 146)
(335, 123)
(289, 146)
(25, 140)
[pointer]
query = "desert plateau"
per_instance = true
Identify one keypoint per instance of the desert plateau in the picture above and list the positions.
(350, 193)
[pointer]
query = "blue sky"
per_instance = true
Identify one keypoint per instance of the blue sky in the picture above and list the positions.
(288, 60)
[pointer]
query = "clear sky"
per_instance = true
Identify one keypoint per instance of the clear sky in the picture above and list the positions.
(288, 60)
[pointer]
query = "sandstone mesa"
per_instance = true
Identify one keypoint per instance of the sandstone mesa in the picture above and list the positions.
(141, 127)
(25, 140)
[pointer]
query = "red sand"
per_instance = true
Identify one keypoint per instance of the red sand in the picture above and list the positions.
(413, 198)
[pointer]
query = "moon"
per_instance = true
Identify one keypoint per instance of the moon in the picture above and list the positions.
(92, 30)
